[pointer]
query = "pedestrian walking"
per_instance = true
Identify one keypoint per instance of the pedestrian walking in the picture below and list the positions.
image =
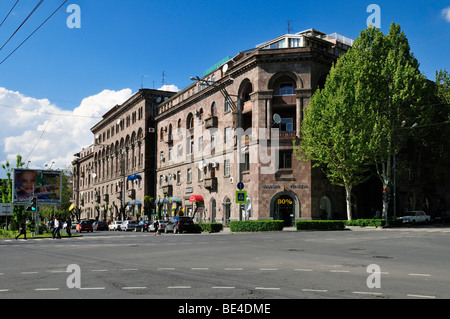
(69, 226)
(56, 228)
(22, 230)
(156, 225)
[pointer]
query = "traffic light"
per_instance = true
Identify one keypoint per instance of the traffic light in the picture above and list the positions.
(385, 196)
(33, 206)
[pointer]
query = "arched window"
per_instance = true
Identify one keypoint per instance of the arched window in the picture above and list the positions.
(213, 109)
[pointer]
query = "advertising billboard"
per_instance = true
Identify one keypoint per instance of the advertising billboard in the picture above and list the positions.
(45, 185)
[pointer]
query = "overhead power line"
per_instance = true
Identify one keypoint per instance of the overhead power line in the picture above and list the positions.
(64, 2)
(20, 26)
(9, 13)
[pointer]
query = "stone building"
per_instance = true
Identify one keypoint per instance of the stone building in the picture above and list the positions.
(112, 176)
(236, 123)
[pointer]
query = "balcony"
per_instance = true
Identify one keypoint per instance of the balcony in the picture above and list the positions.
(247, 107)
(212, 121)
(284, 100)
(210, 183)
(168, 189)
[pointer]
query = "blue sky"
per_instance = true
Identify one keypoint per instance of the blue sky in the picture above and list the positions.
(61, 69)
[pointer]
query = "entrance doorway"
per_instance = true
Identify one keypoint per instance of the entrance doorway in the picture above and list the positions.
(284, 209)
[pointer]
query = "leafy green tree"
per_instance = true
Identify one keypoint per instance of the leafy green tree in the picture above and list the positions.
(340, 132)
(353, 121)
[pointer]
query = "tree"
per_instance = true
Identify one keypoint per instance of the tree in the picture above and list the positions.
(352, 123)
(339, 132)
(6, 191)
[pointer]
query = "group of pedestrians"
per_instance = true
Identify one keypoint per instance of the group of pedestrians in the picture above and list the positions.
(57, 225)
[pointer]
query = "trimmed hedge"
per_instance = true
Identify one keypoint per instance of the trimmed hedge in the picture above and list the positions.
(210, 227)
(256, 225)
(320, 224)
(366, 222)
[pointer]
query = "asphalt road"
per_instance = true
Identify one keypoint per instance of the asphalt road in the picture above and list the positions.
(409, 263)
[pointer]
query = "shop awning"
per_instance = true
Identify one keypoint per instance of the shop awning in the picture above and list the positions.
(195, 198)
(162, 200)
(175, 199)
(133, 177)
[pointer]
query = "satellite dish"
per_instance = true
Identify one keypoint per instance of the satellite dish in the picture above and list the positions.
(277, 118)
(118, 122)
(158, 99)
(166, 98)
(225, 68)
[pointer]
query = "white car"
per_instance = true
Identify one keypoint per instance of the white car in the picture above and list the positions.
(128, 225)
(416, 216)
(115, 225)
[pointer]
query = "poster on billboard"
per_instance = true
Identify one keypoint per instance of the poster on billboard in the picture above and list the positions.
(45, 185)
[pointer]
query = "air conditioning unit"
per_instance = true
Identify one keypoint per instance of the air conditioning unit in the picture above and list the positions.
(151, 130)
(215, 164)
(231, 180)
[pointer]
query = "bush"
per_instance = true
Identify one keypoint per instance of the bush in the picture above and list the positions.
(366, 222)
(210, 227)
(320, 224)
(256, 225)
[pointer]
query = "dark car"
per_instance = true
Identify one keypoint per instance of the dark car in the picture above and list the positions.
(84, 226)
(179, 224)
(100, 225)
(142, 226)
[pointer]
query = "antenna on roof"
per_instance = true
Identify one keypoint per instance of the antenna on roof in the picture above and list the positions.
(289, 26)
(163, 78)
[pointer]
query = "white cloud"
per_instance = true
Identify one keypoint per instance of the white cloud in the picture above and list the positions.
(55, 134)
(170, 88)
(446, 14)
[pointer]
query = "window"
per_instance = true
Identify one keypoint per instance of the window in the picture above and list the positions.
(285, 157)
(178, 177)
(226, 168)
(200, 174)
(213, 141)
(294, 43)
(170, 155)
(287, 125)
(189, 175)
(213, 109)
(286, 88)
(227, 105)
(161, 157)
(227, 135)
(191, 146)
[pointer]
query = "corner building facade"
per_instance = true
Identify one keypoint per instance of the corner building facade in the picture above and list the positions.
(237, 123)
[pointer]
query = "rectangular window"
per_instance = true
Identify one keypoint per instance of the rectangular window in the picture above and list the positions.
(189, 175)
(226, 169)
(178, 177)
(285, 157)
(286, 89)
(287, 125)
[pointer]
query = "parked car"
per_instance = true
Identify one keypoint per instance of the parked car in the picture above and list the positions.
(416, 216)
(443, 217)
(100, 225)
(179, 224)
(74, 225)
(142, 226)
(84, 226)
(161, 225)
(115, 225)
(128, 225)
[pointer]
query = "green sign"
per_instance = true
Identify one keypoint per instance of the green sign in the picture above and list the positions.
(241, 197)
